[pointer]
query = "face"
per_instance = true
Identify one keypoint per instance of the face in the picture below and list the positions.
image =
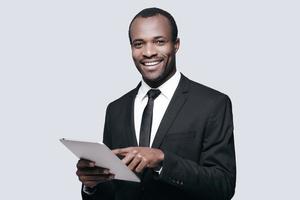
(153, 50)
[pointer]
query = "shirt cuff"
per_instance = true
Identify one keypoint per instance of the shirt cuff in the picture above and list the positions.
(158, 170)
(88, 190)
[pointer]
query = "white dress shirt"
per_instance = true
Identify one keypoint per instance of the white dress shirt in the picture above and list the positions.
(160, 104)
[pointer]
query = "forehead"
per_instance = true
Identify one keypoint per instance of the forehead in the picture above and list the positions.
(150, 27)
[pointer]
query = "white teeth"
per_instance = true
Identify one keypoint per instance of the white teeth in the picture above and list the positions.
(151, 63)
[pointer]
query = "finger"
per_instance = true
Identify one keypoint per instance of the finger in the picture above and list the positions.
(92, 171)
(82, 163)
(128, 158)
(116, 151)
(93, 183)
(96, 178)
(142, 165)
(135, 162)
(124, 151)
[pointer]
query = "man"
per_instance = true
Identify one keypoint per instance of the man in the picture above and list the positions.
(175, 134)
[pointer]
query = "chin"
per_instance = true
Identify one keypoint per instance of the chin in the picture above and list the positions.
(152, 80)
(152, 77)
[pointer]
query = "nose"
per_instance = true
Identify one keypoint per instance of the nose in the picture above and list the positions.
(149, 50)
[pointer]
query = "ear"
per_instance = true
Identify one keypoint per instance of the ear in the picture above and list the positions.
(177, 44)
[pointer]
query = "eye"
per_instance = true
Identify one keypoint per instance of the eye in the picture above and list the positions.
(160, 42)
(137, 44)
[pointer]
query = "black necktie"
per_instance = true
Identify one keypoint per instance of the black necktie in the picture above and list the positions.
(146, 124)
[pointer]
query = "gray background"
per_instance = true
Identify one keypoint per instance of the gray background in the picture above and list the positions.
(63, 61)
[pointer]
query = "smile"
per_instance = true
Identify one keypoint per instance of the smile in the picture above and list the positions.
(152, 63)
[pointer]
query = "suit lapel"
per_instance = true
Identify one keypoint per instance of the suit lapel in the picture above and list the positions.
(172, 111)
(131, 137)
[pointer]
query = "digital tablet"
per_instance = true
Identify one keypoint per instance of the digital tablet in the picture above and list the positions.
(102, 156)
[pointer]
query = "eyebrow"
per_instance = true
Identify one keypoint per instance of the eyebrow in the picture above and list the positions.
(155, 38)
(159, 37)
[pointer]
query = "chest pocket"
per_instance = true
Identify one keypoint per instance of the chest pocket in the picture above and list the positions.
(180, 136)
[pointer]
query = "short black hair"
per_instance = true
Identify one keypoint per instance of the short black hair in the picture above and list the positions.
(150, 12)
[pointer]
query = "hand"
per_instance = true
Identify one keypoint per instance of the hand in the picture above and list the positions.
(90, 175)
(138, 158)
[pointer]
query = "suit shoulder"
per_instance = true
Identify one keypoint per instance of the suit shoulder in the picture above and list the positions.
(203, 90)
(207, 95)
(209, 99)
(124, 99)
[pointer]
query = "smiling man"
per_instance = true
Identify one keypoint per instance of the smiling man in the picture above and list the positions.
(175, 134)
(153, 49)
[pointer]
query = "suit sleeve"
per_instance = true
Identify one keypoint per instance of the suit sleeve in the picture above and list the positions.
(213, 176)
(103, 191)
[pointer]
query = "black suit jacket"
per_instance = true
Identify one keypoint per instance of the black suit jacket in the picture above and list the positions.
(196, 136)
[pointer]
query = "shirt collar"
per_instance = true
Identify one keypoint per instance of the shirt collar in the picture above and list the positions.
(167, 89)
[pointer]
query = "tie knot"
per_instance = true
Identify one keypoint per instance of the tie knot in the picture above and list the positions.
(153, 93)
